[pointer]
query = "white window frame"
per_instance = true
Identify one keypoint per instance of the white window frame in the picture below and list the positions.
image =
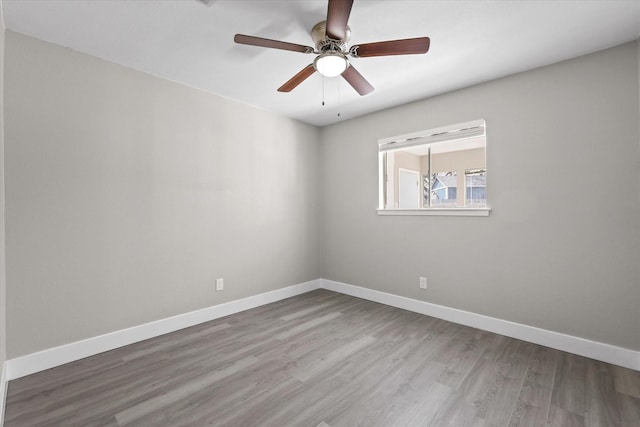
(440, 134)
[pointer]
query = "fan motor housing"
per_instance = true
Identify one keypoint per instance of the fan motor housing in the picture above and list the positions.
(324, 43)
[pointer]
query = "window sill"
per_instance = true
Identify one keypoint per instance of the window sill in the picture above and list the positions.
(437, 211)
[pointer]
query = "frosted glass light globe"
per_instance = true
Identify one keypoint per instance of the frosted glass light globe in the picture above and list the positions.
(331, 64)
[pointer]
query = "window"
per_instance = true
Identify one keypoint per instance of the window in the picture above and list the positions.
(435, 172)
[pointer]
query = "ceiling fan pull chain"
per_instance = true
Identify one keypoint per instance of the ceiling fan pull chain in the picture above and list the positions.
(322, 90)
(339, 99)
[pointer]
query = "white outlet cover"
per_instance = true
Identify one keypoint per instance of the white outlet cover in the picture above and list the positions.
(219, 284)
(423, 283)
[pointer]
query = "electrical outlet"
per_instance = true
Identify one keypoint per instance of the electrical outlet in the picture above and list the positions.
(423, 283)
(219, 284)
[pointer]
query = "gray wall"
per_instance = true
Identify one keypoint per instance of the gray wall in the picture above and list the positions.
(560, 248)
(3, 309)
(128, 195)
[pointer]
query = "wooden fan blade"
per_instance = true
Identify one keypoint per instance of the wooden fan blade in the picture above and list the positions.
(304, 74)
(355, 79)
(392, 47)
(337, 17)
(274, 44)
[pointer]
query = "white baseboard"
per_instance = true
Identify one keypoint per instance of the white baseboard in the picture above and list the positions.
(583, 347)
(3, 390)
(36, 362)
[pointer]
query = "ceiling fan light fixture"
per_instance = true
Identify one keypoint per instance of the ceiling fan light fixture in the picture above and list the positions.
(331, 64)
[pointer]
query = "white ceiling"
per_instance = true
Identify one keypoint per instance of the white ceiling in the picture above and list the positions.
(190, 42)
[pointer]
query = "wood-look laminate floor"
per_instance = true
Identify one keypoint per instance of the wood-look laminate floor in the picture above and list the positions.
(326, 359)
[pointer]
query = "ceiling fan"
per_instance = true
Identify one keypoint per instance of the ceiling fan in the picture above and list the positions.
(330, 38)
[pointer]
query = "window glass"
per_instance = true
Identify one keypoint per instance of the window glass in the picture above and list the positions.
(436, 169)
(476, 187)
(444, 189)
